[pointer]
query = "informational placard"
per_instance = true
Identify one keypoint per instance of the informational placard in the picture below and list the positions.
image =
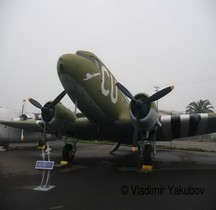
(45, 165)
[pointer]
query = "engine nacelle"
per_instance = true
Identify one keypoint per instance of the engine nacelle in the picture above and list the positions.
(148, 113)
(58, 117)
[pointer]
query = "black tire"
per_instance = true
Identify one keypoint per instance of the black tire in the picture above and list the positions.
(40, 143)
(147, 155)
(67, 153)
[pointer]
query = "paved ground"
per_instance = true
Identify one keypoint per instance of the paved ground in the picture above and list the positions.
(98, 180)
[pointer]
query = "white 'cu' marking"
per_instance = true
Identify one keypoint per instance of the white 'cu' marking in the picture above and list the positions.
(105, 91)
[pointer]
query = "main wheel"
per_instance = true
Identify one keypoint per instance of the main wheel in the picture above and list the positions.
(147, 155)
(67, 153)
(40, 143)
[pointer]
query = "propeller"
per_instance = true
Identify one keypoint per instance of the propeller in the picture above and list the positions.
(141, 105)
(47, 109)
(156, 96)
(55, 101)
(23, 117)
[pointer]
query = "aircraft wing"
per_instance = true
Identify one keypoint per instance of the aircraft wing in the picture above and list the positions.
(173, 127)
(186, 125)
(32, 125)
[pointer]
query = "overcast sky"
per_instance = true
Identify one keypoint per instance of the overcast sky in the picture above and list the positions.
(144, 43)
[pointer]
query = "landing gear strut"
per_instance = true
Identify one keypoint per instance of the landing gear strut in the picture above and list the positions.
(148, 150)
(69, 150)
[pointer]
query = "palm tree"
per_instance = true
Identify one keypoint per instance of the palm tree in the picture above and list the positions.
(201, 106)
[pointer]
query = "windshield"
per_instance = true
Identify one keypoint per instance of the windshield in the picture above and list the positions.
(90, 57)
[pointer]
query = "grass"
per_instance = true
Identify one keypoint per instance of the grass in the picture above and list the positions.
(158, 146)
(186, 149)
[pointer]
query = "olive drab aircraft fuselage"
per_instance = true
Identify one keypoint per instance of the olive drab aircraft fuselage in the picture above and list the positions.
(107, 112)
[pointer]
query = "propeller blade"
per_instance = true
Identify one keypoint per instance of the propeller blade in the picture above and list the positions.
(23, 106)
(159, 94)
(44, 133)
(125, 91)
(58, 99)
(35, 103)
(116, 146)
(136, 130)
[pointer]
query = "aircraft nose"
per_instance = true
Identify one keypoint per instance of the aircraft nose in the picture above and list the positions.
(67, 64)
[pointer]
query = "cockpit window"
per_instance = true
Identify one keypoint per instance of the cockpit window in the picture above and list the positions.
(97, 63)
(89, 57)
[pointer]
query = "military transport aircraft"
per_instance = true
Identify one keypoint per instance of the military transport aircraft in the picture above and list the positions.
(10, 134)
(108, 113)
